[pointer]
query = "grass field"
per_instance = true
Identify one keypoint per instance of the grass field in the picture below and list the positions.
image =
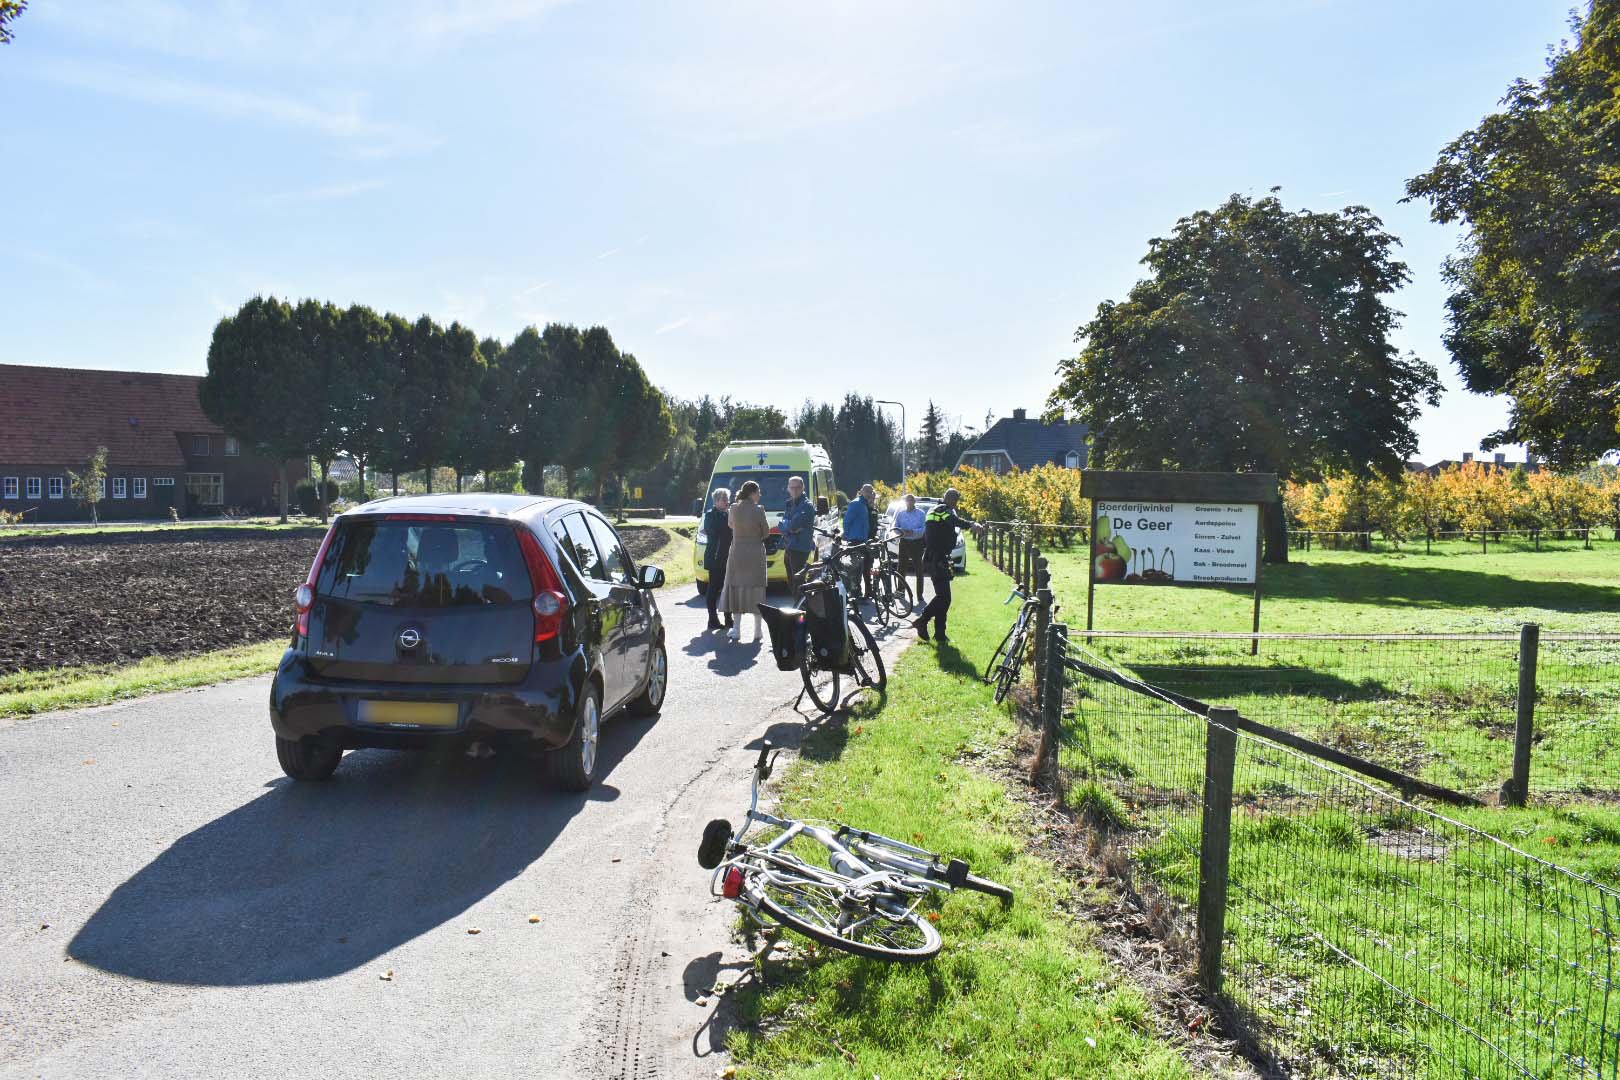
(1442, 710)
(1014, 994)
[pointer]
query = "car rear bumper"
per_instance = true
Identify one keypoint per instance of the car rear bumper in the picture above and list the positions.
(537, 712)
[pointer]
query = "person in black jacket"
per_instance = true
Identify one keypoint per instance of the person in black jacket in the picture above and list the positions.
(939, 538)
(717, 537)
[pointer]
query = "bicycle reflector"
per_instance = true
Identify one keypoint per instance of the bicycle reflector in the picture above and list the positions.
(731, 887)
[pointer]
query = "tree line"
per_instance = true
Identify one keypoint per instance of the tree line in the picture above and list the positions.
(313, 381)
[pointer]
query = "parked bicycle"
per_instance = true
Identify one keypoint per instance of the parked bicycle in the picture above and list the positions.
(892, 594)
(845, 887)
(1008, 658)
(823, 636)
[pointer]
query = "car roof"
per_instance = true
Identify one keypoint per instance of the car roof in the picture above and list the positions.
(493, 504)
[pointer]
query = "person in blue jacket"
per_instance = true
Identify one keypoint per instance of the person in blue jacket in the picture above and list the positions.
(858, 518)
(798, 530)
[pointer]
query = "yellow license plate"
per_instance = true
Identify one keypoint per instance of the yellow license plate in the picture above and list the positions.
(409, 713)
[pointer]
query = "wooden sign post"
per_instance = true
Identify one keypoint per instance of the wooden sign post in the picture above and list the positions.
(1177, 528)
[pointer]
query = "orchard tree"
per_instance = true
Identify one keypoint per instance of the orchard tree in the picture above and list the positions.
(1258, 342)
(90, 487)
(1534, 310)
(256, 380)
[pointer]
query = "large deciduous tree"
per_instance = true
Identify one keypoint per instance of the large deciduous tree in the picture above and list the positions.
(1534, 309)
(1258, 342)
(255, 385)
(9, 10)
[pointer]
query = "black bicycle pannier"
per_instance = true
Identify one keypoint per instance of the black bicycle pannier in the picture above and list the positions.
(824, 611)
(789, 637)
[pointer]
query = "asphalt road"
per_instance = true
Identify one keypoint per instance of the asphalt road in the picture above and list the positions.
(171, 905)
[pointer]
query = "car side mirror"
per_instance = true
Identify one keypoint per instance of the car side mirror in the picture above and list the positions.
(823, 508)
(652, 577)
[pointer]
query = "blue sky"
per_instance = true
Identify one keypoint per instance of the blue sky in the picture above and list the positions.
(765, 199)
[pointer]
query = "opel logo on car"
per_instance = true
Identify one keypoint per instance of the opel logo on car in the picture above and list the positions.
(410, 637)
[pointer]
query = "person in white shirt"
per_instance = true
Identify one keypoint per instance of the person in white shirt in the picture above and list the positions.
(910, 523)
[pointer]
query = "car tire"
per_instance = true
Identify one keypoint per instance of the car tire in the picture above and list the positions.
(651, 698)
(308, 759)
(572, 766)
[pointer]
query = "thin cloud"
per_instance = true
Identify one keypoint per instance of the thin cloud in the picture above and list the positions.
(1004, 138)
(344, 122)
(673, 326)
(326, 193)
(609, 253)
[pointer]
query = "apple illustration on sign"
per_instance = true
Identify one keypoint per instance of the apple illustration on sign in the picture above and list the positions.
(1111, 554)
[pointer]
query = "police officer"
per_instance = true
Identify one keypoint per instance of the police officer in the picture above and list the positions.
(939, 538)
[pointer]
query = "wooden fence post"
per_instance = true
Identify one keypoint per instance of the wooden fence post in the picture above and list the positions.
(1518, 792)
(1215, 843)
(1045, 771)
(1043, 619)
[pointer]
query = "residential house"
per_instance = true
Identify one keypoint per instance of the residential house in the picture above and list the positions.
(1017, 442)
(162, 451)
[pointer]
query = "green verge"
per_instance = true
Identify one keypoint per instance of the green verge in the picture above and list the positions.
(676, 554)
(25, 693)
(1015, 993)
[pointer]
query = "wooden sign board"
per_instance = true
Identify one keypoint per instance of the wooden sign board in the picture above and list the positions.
(1177, 528)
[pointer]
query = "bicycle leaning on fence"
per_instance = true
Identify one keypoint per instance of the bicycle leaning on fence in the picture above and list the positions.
(865, 898)
(822, 636)
(1008, 658)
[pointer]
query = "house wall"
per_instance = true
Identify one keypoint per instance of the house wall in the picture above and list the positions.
(248, 482)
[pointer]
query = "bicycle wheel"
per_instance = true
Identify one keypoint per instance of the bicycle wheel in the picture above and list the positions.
(1000, 655)
(1007, 675)
(869, 670)
(900, 599)
(822, 686)
(828, 914)
(880, 598)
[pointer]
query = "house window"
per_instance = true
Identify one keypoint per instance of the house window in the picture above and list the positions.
(11, 487)
(101, 487)
(140, 487)
(33, 487)
(120, 487)
(233, 446)
(1072, 459)
(199, 446)
(57, 487)
(208, 488)
(163, 481)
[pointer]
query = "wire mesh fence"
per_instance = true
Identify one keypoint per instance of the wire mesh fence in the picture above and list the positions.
(1439, 707)
(1450, 541)
(1365, 936)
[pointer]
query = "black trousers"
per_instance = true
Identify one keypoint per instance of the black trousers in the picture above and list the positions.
(911, 562)
(717, 583)
(796, 562)
(940, 606)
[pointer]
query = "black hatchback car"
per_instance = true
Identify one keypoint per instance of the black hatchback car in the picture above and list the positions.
(443, 620)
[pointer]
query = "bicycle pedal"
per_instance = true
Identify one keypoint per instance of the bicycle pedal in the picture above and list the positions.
(716, 836)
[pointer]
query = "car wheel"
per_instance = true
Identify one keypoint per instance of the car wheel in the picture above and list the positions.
(308, 759)
(652, 697)
(572, 766)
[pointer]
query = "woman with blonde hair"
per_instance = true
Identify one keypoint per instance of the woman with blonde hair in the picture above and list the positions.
(745, 566)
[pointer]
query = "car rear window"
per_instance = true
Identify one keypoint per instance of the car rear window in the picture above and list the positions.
(430, 564)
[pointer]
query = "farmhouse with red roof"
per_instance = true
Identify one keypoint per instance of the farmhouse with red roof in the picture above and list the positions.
(162, 451)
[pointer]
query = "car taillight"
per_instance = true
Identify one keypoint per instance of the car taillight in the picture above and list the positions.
(304, 598)
(550, 602)
(731, 885)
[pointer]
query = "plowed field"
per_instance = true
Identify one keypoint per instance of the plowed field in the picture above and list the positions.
(118, 598)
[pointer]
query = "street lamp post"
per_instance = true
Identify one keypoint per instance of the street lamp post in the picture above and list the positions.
(902, 408)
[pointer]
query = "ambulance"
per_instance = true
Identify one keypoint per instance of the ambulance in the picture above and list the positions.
(769, 463)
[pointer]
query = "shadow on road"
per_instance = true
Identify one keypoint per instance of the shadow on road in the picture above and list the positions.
(312, 880)
(726, 657)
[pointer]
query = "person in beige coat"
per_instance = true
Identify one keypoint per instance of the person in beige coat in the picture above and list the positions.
(745, 567)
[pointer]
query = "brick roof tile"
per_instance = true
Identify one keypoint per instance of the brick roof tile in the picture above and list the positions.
(58, 416)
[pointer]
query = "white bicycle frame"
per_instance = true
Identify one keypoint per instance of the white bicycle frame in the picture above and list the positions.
(850, 872)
